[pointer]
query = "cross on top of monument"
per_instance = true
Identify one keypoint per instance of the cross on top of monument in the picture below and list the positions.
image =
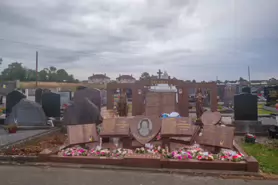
(159, 74)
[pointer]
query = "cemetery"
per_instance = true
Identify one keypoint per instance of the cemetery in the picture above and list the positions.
(156, 129)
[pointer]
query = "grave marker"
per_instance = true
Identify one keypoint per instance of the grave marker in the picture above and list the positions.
(78, 134)
(12, 99)
(211, 118)
(92, 94)
(115, 127)
(38, 95)
(145, 128)
(178, 127)
(246, 107)
(27, 113)
(51, 104)
(216, 136)
(82, 112)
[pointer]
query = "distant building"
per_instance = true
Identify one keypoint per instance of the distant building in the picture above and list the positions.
(99, 79)
(125, 79)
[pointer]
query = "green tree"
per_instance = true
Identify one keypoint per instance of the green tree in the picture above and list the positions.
(14, 71)
(145, 76)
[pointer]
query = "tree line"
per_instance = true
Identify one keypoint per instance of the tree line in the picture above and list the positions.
(146, 75)
(16, 71)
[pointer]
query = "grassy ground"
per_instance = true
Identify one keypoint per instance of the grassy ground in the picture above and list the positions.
(266, 154)
(262, 111)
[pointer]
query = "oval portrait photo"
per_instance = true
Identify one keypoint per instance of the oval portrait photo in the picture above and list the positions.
(145, 127)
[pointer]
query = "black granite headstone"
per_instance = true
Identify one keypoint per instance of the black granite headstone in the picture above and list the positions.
(51, 104)
(12, 99)
(246, 107)
(38, 95)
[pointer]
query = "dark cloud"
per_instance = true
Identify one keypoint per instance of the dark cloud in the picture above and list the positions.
(189, 38)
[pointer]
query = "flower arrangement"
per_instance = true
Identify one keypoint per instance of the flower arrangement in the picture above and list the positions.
(11, 128)
(75, 151)
(150, 149)
(250, 138)
(194, 152)
(100, 152)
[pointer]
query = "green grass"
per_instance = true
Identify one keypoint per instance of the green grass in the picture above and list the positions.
(264, 112)
(267, 156)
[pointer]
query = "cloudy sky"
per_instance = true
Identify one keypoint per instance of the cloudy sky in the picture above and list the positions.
(190, 39)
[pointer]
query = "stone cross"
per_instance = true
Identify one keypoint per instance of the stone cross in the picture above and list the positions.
(159, 74)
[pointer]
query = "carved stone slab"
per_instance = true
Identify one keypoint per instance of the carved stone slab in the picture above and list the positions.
(217, 136)
(178, 127)
(78, 134)
(211, 118)
(115, 127)
(145, 128)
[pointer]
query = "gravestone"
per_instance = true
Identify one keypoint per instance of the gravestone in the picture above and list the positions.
(246, 107)
(158, 103)
(216, 136)
(65, 97)
(78, 134)
(27, 113)
(46, 90)
(115, 127)
(92, 94)
(12, 99)
(38, 95)
(51, 104)
(145, 128)
(178, 127)
(211, 118)
(82, 112)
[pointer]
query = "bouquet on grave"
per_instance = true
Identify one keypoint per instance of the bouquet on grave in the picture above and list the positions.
(206, 156)
(120, 152)
(250, 138)
(230, 155)
(75, 151)
(180, 154)
(12, 128)
(98, 152)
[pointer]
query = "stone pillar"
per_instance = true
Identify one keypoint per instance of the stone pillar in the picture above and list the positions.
(110, 99)
(213, 98)
(183, 101)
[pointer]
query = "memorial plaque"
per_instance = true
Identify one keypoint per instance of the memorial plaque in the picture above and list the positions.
(217, 136)
(115, 127)
(178, 127)
(145, 128)
(211, 118)
(78, 134)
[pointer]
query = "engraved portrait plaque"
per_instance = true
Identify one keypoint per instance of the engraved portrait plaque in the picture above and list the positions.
(117, 127)
(178, 127)
(78, 134)
(216, 136)
(145, 128)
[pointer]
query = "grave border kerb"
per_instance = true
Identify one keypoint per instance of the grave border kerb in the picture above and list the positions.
(249, 165)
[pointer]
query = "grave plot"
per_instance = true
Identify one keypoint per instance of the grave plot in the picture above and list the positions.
(211, 147)
(30, 142)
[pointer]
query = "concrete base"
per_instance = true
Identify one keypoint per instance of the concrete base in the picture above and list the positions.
(251, 127)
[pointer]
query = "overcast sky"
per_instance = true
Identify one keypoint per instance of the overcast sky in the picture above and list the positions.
(190, 39)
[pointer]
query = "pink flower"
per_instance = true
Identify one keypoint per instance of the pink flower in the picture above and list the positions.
(235, 157)
(180, 157)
